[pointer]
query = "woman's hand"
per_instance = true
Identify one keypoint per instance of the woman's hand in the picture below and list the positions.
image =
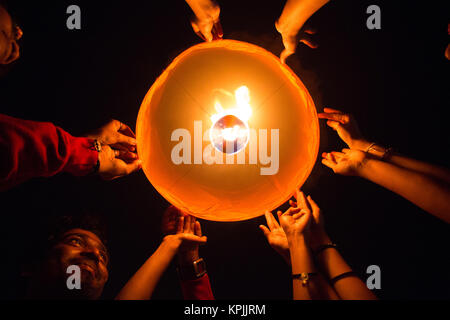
(275, 236)
(295, 221)
(346, 127)
(317, 233)
(117, 163)
(187, 237)
(348, 162)
(206, 23)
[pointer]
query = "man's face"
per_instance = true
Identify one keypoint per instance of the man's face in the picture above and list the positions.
(84, 249)
(9, 35)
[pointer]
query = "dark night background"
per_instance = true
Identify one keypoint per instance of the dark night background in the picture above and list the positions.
(393, 80)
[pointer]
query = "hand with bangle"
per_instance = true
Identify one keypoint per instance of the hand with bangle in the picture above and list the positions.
(348, 130)
(327, 259)
(115, 144)
(424, 184)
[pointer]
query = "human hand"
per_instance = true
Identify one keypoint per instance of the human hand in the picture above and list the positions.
(117, 163)
(317, 234)
(118, 150)
(346, 127)
(292, 39)
(115, 134)
(295, 221)
(188, 231)
(275, 236)
(348, 162)
(206, 23)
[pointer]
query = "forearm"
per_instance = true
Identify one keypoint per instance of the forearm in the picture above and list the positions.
(420, 167)
(144, 281)
(301, 262)
(429, 194)
(348, 288)
(379, 152)
(204, 9)
(296, 13)
(332, 264)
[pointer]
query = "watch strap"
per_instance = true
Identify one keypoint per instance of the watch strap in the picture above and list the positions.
(192, 271)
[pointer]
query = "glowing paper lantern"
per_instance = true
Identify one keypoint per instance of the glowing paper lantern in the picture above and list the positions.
(227, 131)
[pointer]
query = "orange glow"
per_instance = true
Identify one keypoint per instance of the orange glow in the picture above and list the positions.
(246, 90)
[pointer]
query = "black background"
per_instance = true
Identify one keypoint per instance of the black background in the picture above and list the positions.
(393, 80)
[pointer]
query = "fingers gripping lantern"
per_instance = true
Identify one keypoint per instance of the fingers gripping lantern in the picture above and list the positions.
(227, 131)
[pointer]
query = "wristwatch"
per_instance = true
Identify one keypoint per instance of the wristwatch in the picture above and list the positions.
(192, 271)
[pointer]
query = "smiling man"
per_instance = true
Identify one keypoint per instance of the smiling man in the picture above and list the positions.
(75, 241)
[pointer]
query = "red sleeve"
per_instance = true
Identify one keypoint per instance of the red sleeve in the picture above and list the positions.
(198, 289)
(40, 149)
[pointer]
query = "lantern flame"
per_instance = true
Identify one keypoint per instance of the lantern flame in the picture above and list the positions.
(242, 109)
(230, 125)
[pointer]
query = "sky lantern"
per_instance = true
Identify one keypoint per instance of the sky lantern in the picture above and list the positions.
(227, 131)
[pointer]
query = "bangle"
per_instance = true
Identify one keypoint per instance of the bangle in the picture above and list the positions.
(304, 277)
(386, 151)
(342, 276)
(324, 247)
(370, 147)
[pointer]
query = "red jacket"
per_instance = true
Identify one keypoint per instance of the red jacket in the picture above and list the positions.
(31, 149)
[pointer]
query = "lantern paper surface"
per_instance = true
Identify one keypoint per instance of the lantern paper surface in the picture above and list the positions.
(227, 132)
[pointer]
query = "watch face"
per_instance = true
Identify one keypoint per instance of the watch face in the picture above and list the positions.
(199, 268)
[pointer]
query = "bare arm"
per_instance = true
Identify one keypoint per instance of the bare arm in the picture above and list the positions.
(424, 191)
(329, 261)
(296, 223)
(295, 14)
(426, 185)
(427, 193)
(302, 262)
(428, 169)
(332, 264)
(276, 238)
(206, 23)
(144, 281)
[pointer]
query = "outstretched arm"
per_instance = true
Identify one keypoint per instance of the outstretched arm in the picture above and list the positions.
(294, 15)
(296, 223)
(329, 260)
(424, 191)
(424, 184)
(194, 280)
(347, 128)
(31, 149)
(144, 281)
(207, 22)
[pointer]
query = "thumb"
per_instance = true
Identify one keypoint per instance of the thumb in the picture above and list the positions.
(264, 230)
(333, 124)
